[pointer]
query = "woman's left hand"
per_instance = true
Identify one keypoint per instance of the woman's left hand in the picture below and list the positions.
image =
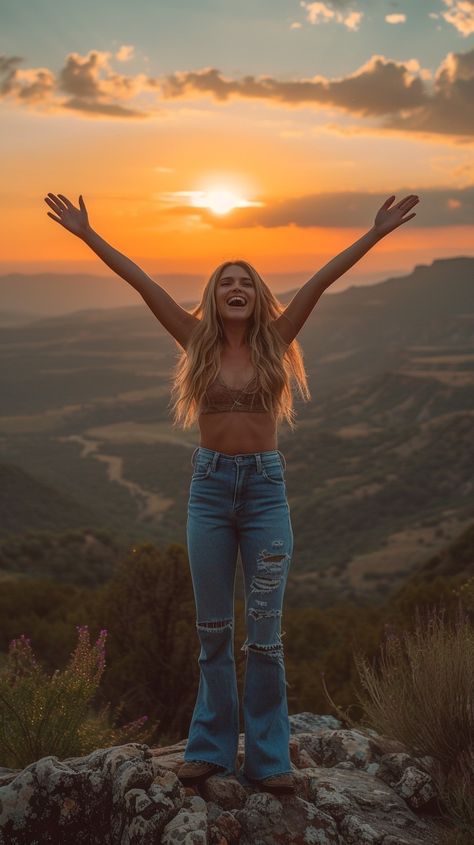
(388, 219)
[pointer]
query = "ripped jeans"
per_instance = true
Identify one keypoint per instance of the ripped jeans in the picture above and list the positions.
(240, 501)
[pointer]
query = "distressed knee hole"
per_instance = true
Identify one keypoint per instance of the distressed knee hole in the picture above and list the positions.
(273, 650)
(256, 613)
(214, 626)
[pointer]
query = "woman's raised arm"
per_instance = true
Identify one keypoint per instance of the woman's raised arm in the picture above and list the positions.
(386, 220)
(176, 320)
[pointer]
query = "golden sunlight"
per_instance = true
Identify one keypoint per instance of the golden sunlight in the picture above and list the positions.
(220, 200)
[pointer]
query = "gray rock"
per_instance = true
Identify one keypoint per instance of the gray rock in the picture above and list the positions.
(312, 723)
(110, 796)
(186, 828)
(266, 819)
(366, 809)
(352, 788)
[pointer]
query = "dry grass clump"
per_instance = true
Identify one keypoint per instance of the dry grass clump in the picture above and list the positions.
(422, 693)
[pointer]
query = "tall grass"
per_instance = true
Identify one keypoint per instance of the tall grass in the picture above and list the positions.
(422, 693)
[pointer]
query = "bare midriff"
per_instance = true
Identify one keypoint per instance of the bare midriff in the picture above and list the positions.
(238, 433)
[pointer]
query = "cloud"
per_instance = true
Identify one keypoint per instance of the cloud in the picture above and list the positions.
(395, 18)
(450, 109)
(124, 53)
(438, 207)
(460, 15)
(381, 88)
(394, 95)
(81, 80)
(324, 12)
(29, 86)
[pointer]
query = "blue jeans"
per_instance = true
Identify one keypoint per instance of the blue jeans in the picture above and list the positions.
(240, 501)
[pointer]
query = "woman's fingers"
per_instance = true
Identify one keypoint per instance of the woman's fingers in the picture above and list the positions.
(53, 217)
(65, 200)
(53, 204)
(409, 201)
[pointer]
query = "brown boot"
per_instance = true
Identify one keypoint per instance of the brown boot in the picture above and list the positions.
(193, 770)
(283, 784)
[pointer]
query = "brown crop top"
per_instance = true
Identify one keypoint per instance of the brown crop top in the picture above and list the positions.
(219, 398)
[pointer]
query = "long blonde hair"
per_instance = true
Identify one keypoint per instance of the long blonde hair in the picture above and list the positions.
(273, 360)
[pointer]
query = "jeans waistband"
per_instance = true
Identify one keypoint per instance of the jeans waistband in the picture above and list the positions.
(244, 458)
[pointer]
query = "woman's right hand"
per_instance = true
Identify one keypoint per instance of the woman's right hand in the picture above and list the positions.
(73, 219)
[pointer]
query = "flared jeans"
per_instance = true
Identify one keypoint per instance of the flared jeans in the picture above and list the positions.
(239, 501)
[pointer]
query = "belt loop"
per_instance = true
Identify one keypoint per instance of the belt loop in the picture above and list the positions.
(214, 461)
(283, 458)
(192, 456)
(258, 459)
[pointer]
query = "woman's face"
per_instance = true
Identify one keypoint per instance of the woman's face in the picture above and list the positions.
(235, 281)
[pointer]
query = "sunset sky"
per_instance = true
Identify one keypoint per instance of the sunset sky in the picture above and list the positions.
(304, 116)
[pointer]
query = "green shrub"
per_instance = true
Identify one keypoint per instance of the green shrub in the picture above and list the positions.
(44, 715)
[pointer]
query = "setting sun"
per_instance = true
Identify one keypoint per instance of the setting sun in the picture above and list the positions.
(220, 200)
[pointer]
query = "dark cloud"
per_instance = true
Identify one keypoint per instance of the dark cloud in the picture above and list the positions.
(438, 207)
(105, 109)
(450, 109)
(36, 84)
(381, 88)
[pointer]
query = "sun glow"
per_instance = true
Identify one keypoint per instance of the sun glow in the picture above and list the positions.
(220, 200)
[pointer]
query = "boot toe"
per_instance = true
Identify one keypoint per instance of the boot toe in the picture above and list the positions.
(195, 769)
(278, 784)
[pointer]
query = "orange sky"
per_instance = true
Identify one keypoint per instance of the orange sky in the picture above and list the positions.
(316, 153)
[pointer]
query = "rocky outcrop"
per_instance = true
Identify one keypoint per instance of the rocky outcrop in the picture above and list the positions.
(353, 788)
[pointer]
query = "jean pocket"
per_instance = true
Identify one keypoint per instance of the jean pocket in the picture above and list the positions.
(274, 472)
(201, 470)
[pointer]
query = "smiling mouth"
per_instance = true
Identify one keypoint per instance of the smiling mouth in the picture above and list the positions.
(240, 304)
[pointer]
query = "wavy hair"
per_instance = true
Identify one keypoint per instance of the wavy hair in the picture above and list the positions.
(274, 361)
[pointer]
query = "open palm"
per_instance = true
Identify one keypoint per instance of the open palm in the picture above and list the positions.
(73, 219)
(388, 219)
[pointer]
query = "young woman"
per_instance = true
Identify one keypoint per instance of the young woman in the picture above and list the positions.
(239, 353)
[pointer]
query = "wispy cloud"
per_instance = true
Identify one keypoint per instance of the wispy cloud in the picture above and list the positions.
(125, 52)
(395, 18)
(320, 13)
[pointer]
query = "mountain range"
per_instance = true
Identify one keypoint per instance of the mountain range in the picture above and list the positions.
(379, 469)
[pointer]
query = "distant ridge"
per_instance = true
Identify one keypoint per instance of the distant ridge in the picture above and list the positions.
(54, 294)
